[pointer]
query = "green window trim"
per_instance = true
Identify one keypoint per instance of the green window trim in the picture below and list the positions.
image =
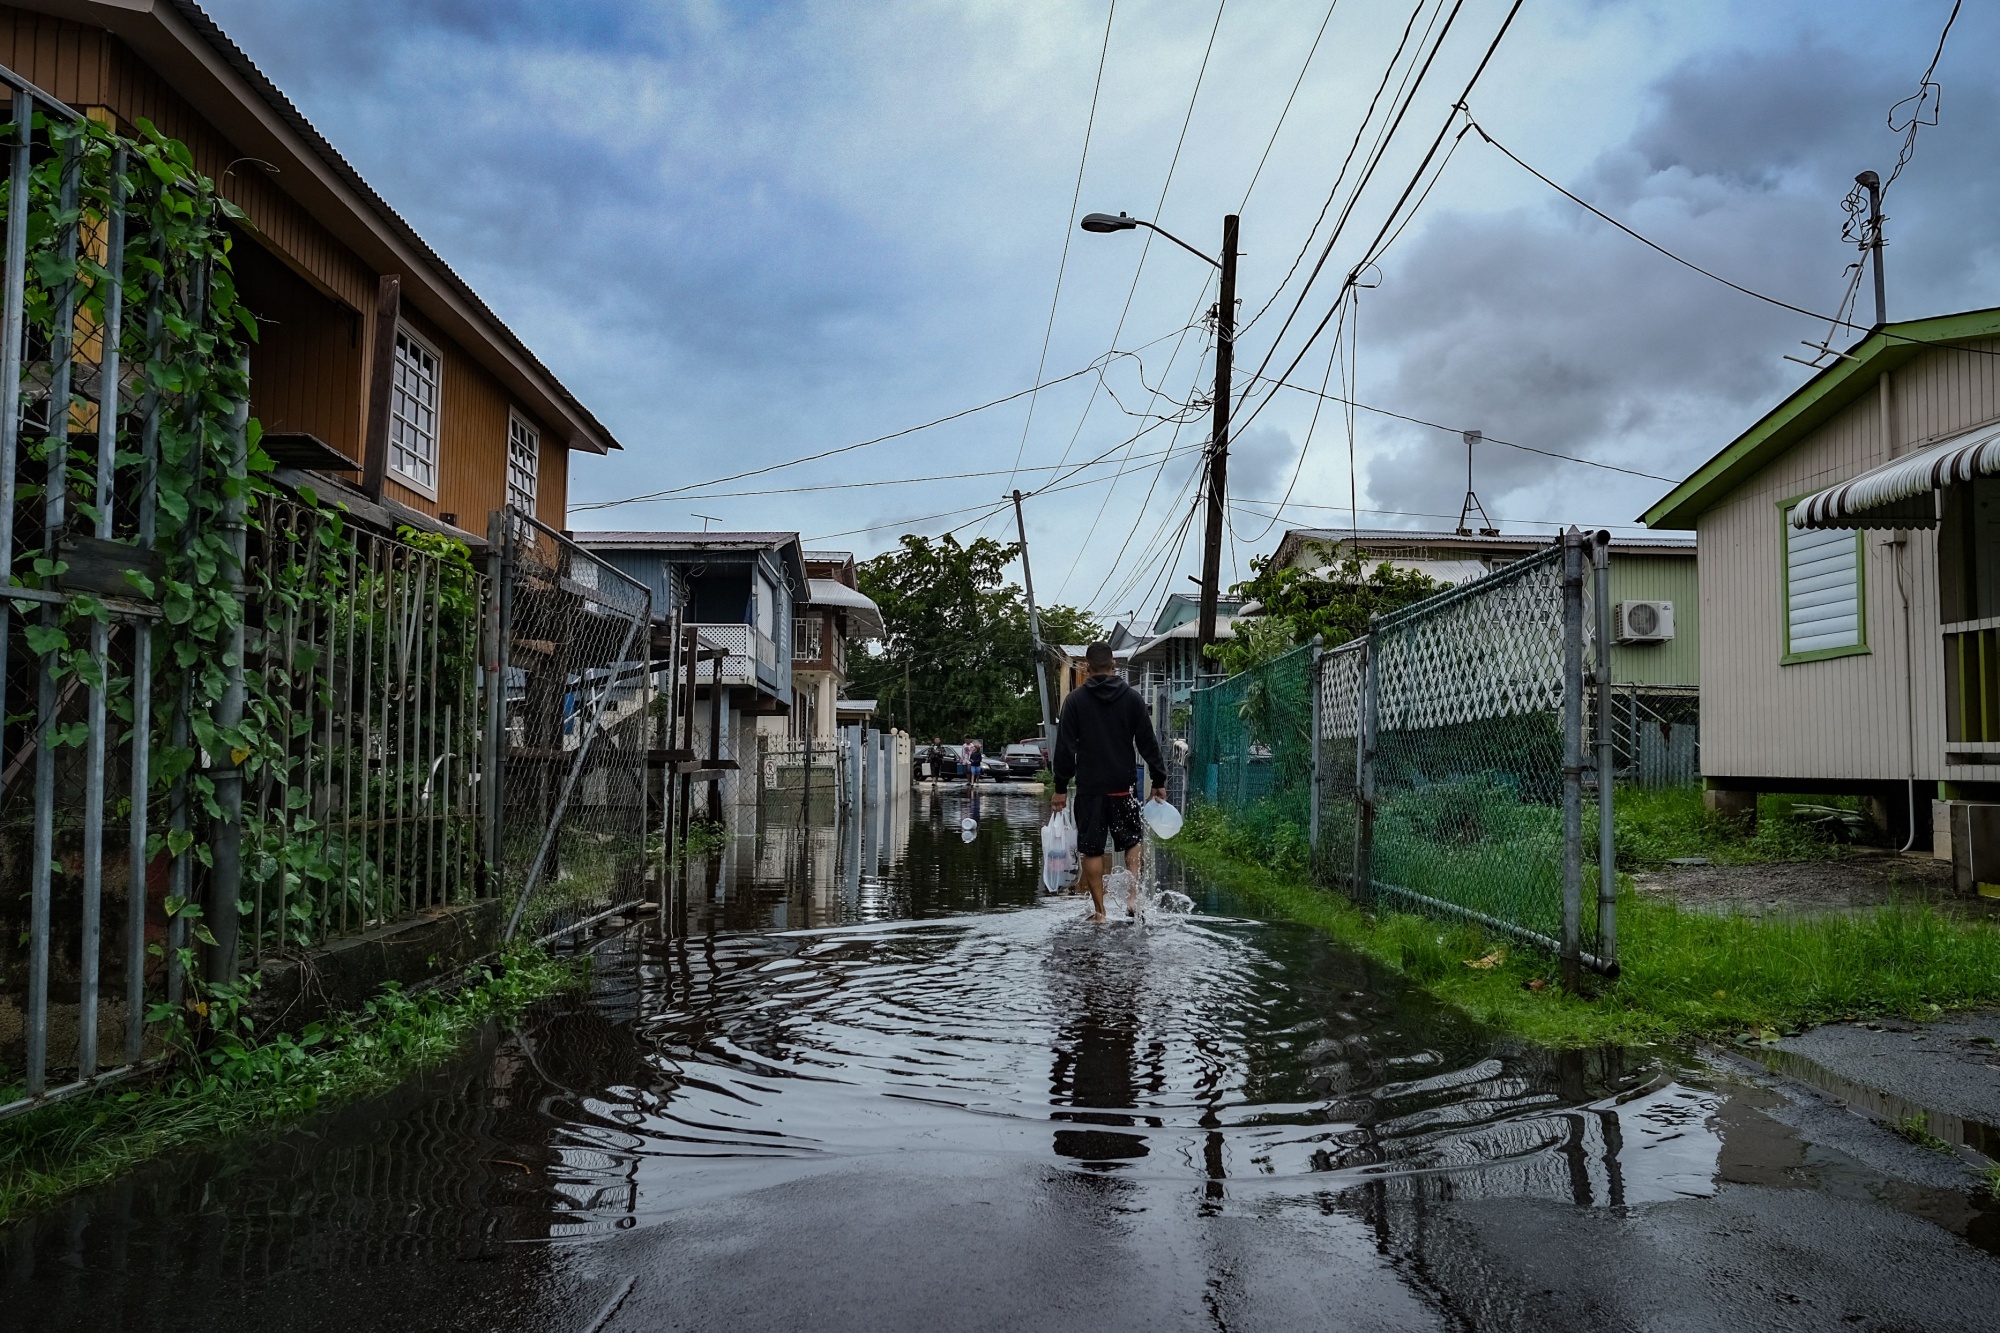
(1786, 657)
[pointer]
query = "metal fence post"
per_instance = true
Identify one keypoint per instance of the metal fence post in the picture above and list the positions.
(1318, 661)
(1607, 849)
(1362, 882)
(1572, 724)
(225, 838)
(492, 760)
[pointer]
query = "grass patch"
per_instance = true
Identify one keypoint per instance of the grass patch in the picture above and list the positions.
(1662, 824)
(704, 837)
(1684, 973)
(239, 1085)
(1917, 1129)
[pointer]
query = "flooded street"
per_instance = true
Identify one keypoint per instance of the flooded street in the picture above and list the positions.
(871, 1078)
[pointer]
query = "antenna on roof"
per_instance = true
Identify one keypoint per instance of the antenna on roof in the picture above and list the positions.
(706, 519)
(1472, 505)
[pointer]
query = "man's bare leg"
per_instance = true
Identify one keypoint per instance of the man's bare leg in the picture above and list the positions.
(1093, 884)
(1135, 861)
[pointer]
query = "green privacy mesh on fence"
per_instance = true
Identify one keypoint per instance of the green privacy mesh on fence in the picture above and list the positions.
(1437, 782)
(1253, 737)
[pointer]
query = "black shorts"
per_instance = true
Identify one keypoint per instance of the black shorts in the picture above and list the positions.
(1099, 813)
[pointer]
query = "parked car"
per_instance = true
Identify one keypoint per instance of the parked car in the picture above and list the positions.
(1025, 759)
(934, 762)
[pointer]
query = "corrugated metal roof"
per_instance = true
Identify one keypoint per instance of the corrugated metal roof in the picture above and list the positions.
(1898, 494)
(716, 541)
(864, 620)
(1521, 541)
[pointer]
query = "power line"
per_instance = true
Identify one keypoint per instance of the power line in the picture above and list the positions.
(1454, 430)
(1097, 367)
(1395, 211)
(1146, 247)
(899, 481)
(1255, 175)
(1287, 109)
(1069, 226)
(1375, 156)
(1838, 321)
(988, 511)
(1418, 513)
(1333, 193)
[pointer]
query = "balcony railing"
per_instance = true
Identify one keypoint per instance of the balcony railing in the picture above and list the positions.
(752, 656)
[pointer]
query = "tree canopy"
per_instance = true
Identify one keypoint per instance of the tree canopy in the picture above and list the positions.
(957, 632)
(1337, 602)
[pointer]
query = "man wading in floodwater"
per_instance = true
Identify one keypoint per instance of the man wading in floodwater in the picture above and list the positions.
(1103, 723)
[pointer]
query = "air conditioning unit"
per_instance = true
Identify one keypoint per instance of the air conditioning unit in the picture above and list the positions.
(1644, 622)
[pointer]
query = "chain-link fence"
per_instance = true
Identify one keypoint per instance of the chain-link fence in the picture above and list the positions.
(800, 781)
(575, 731)
(1440, 762)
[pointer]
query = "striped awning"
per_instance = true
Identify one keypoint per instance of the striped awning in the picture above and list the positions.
(1901, 493)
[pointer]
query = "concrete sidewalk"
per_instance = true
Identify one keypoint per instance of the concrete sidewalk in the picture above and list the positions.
(1947, 1072)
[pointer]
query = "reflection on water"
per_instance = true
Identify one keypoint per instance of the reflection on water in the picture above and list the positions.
(820, 996)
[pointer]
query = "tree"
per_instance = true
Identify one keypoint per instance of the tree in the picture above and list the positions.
(957, 632)
(1298, 603)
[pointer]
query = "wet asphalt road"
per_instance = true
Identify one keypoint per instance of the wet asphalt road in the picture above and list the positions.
(872, 1081)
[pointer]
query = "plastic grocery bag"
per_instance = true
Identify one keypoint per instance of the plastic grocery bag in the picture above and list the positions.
(1161, 818)
(1059, 865)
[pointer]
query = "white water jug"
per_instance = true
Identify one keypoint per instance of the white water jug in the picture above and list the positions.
(1161, 818)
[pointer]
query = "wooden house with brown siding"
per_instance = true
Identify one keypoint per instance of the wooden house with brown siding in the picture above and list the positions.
(1850, 589)
(377, 366)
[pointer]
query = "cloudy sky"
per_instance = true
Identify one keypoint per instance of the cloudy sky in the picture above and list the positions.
(745, 233)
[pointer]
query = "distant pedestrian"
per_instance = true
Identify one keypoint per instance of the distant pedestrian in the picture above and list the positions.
(975, 759)
(1103, 726)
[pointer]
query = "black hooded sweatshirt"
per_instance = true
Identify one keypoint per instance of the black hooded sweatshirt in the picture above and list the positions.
(1103, 724)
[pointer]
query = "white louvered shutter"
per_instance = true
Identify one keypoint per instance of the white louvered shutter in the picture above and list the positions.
(1822, 589)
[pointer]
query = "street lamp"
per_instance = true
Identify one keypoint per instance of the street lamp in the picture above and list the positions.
(1225, 352)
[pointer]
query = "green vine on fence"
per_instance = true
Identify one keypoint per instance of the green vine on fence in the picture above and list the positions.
(184, 342)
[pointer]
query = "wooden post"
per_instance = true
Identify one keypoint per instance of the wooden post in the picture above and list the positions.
(381, 384)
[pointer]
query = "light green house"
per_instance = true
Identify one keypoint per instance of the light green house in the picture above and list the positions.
(1655, 571)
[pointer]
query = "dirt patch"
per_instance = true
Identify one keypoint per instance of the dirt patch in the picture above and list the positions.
(1854, 882)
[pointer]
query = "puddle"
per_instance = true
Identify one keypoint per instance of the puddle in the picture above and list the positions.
(837, 1000)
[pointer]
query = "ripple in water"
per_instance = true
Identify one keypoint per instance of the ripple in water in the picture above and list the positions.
(1195, 1047)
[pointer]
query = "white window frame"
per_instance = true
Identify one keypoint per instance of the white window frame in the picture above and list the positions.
(523, 436)
(1789, 655)
(398, 417)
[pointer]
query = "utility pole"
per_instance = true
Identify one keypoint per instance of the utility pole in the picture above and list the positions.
(1035, 631)
(1872, 183)
(1218, 445)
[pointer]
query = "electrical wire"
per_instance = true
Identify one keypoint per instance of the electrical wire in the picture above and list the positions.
(1368, 255)
(1927, 91)
(1419, 513)
(1069, 227)
(1333, 193)
(1076, 557)
(1376, 153)
(1146, 246)
(1489, 439)
(899, 481)
(1838, 321)
(1289, 99)
(1096, 367)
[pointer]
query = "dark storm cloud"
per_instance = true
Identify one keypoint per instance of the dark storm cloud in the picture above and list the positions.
(1545, 326)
